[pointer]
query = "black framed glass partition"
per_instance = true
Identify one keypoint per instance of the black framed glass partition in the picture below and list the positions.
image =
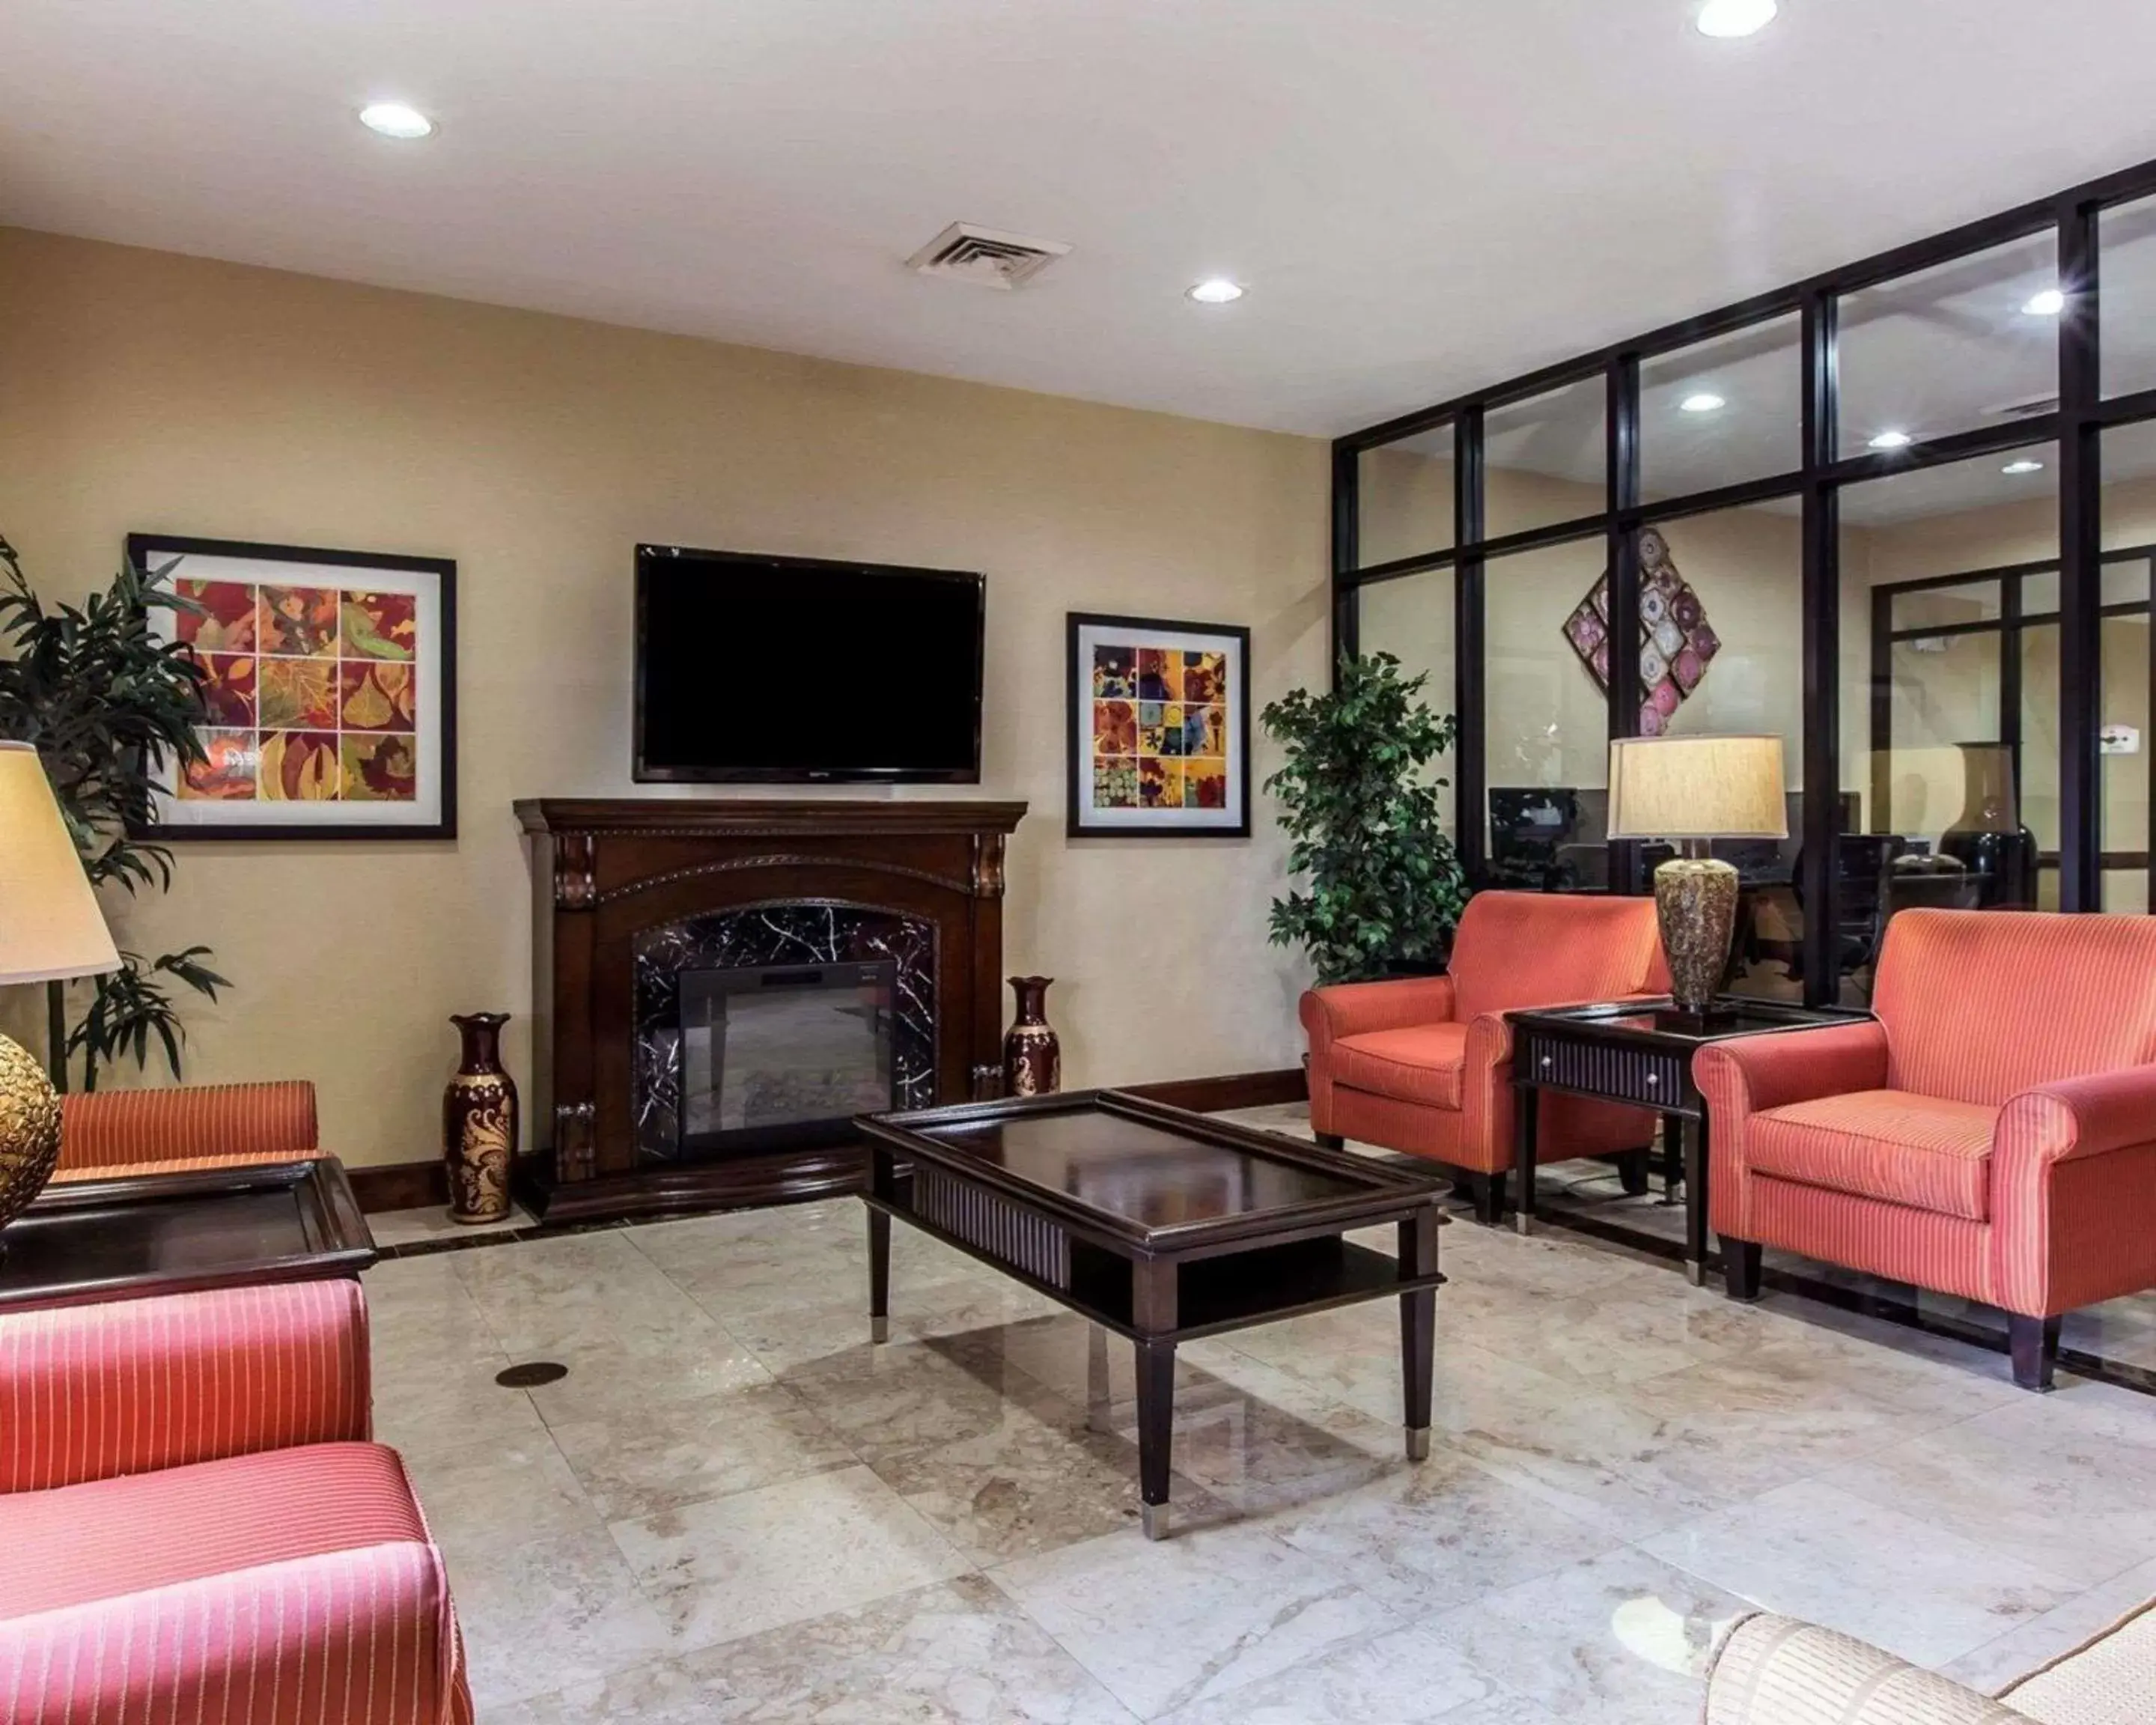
(1908, 501)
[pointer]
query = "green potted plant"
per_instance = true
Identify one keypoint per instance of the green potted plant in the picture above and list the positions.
(106, 703)
(1359, 805)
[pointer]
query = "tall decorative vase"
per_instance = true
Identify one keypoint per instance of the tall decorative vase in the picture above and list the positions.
(479, 1122)
(1032, 1052)
(1987, 837)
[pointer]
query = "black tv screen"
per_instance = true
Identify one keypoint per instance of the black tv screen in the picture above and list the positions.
(775, 669)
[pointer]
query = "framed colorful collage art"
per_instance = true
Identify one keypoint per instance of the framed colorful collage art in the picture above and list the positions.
(1159, 722)
(331, 690)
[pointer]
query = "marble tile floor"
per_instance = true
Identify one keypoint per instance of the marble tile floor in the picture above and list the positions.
(734, 1508)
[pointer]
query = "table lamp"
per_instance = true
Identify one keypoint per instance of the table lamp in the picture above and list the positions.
(50, 928)
(1692, 789)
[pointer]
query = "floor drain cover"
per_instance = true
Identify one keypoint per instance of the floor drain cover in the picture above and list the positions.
(531, 1374)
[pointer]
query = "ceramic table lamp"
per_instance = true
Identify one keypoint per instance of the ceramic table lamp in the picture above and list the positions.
(1692, 789)
(50, 928)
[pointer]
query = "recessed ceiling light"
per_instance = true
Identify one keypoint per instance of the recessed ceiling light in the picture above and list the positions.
(2023, 467)
(1704, 401)
(1736, 17)
(1214, 290)
(395, 120)
(2048, 304)
(1892, 440)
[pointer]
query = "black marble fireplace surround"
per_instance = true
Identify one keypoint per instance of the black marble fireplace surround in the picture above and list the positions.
(807, 933)
(629, 892)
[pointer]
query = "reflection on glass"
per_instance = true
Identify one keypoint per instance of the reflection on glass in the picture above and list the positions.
(2127, 273)
(1405, 498)
(1731, 671)
(2125, 763)
(1411, 618)
(1546, 717)
(1544, 458)
(1722, 411)
(1960, 602)
(1965, 344)
(1959, 769)
(2128, 460)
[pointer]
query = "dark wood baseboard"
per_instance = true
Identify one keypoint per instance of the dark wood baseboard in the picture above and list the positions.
(789, 1177)
(1237, 1089)
(400, 1185)
(738, 1182)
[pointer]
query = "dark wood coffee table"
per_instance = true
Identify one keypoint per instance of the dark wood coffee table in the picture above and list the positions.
(125, 1239)
(1161, 1225)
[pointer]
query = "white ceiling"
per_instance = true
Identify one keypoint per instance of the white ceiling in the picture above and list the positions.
(1425, 195)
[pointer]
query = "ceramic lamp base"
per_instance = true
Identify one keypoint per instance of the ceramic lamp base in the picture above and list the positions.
(1696, 903)
(29, 1130)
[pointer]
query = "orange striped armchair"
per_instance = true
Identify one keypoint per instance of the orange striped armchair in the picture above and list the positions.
(107, 1133)
(1992, 1135)
(1424, 1065)
(195, 1528)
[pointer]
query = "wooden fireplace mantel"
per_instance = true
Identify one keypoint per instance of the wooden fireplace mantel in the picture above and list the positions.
(605, 870)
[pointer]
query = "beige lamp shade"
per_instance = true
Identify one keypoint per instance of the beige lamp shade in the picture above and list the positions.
(1697, 788)
(50, 925)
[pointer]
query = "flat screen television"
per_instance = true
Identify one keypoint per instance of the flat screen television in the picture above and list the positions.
(770, 670)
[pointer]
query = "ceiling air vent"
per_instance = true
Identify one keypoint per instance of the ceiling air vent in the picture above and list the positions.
(987, 257)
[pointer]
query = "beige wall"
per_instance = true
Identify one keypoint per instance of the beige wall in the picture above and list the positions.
(142, 391)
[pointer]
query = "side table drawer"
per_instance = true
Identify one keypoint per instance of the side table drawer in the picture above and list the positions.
(1648, 1076)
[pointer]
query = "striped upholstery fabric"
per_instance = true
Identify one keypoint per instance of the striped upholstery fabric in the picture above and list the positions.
(2050, 1021)
(295, 1588)
(1910, 1149)
(1420, 1064)
(1512, 950)
(1775, 1671)
(1980, 1005)
(87, 1392)
(109, 1132)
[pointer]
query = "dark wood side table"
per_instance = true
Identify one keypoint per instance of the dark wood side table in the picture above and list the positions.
(1639, 1051)
(1162, 1226)
(86, 1240)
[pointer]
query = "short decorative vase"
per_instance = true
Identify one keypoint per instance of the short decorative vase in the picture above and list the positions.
(479, 1122)
(1986, 838)
(1032, 1052)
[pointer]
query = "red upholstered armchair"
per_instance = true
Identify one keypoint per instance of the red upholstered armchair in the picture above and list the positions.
(105, 1134)
(193, 1527)
(1424, 1065)
(1992, 1136)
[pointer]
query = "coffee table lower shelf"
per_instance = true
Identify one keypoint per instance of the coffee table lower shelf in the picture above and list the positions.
(1253, 1229)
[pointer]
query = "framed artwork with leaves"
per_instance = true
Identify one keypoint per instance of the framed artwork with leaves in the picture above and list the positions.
(329, 688)
(1159, 728)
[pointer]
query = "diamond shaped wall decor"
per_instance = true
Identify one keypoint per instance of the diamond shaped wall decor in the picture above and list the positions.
(1676, 643)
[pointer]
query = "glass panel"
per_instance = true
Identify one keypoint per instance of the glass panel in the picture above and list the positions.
(1965, 344)
(1720, 602)
(1411, 618)
(1544, 458)
(1722, 411)
(1405, 498)
(1960, 787)
(2127, 273)
(2124, 764)
(1947, 607)
(2040, 593)
(2129, 486)
(2125, 582)
(1546, 717)
(2037, 766)
(2126, 767)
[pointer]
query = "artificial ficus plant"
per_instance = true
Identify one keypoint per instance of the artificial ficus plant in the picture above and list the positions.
(106, 704)
(1360, 809)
